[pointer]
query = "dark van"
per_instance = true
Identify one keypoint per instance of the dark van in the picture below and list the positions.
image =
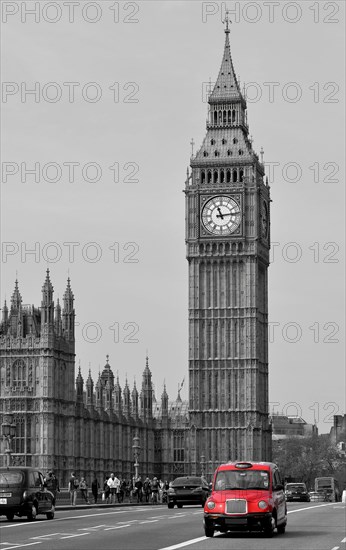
(246, 496)
(22, 493)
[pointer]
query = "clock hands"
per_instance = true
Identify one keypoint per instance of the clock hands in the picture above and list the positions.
(220, 213)
(226, 214)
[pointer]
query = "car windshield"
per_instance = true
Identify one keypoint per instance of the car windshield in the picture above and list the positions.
(188, 482)
(295, 487)
(249, 479)
(8, 479)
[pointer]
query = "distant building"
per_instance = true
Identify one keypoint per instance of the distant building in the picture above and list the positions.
(338, 429)
(291, 426)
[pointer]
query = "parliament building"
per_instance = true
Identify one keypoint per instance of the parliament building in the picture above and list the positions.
(68, 423)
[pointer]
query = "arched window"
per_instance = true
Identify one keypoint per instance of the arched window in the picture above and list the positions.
(229, 153)
(203, 176)
(228, 176)
(235, 176)
(224, 117)
(209, 176)
(222, 176)
(233, 115)
(235, 140)
(215, 117)
(212, 142)
(224, 141)
(216, 176)
(241, 175)
(217, 154)
(220, 116)
(19, 373)
(229, 115)
(205, 154)
(241, 152)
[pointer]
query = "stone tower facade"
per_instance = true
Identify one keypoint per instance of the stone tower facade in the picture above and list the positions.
(227, 247)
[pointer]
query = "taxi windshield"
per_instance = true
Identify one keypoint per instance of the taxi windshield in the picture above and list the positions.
(249, 479)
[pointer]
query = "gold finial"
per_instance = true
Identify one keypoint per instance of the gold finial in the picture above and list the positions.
(227, 21)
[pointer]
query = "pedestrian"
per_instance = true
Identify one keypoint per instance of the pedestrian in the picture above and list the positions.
(106, 491)
(146, 489)
(139, 487)
(154, 490)
(95, 488)
(51, 483)
(113, 484)
(73, 485)
(84, 489)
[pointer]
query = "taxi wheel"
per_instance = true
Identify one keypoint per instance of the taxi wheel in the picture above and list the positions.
(281, 529)
(208, 531)
(10, 517)
(33, 513)
(50, 515)
(269, 529)
(179, 505)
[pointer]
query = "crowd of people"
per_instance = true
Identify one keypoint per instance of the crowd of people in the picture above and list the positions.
(114, 489)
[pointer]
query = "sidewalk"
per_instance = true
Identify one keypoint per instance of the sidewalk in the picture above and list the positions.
(63, 502)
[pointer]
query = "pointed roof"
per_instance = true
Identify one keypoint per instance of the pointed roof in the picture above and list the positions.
(226, 87)
(16, 298)
(68, 295)
(47, 285)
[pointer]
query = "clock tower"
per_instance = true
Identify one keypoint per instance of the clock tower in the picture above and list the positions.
(227, 243)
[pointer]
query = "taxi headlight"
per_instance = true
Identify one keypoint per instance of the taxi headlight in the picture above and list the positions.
(211, 505)
(262, 504)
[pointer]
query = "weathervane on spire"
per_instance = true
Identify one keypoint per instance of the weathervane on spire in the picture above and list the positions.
(192, 143)
(227, 21)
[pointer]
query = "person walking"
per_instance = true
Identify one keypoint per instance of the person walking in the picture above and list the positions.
(95, 488)
(84, 489)
(113, 483)
(73, 485)
(139, 487)
(51, 483)
(155, 490)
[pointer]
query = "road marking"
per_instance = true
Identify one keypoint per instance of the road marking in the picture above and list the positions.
(182, 544)
(21, 545)
(77, 535)
(88, 528)
(148, 521)
(309, 508)
(158, 517)
(196, 513)
(45, 537)
(344, 540)
(119, 527)
(336, 548)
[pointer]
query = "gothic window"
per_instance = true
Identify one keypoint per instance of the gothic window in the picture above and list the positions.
(235, 176)
(209, 176)
(215, 117)
(228, 176)
(216, 176)
(203, 176)
(241, 175)
(229, 153)
(217, 154)
(222, 176)
(235, 140)
(178, 446)
(205, 154)
(224, 115)
(233, 115)
(19, 440)
(212, 142)
(224, 141)
(220, 116)
(19, 373)
(241, 152)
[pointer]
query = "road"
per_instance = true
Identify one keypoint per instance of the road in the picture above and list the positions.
(311, 526)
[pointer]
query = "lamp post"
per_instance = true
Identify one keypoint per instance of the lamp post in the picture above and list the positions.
(202, 465)
(8, 433)
(136, 449)
(211, 470)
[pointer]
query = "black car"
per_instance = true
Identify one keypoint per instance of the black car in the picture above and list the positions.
(296, 491)
(188, 490)
(22, 493)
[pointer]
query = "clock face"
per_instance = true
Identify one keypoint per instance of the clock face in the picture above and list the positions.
(221, 216)
(264, 220)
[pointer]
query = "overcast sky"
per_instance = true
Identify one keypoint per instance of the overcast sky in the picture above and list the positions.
(140, 72)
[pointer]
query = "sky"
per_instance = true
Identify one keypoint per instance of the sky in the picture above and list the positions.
(100, 101)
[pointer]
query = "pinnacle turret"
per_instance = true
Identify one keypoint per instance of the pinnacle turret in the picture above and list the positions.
(16, 299)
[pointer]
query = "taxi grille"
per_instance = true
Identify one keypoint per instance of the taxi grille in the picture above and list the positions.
(236, 506)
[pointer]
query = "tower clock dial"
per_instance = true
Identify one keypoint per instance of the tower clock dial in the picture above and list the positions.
(221, 216)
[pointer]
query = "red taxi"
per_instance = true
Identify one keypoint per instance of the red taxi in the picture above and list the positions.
(246, 496)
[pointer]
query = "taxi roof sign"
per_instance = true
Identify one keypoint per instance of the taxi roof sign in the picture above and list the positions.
(243, 465)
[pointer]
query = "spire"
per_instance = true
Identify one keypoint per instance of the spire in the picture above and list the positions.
(68, 313)
(164, 401)
(16, 299)
(5, 313)
(79, 385)
(90, 390)
(227, 87)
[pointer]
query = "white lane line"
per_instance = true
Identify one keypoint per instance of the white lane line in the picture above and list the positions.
(158, 517)
(196, 513)
(182, 544)
(118, 527)
(148, 521)
(94, 527)
(309, 508)
(77, 535)
(22, 545)
(336, 548)
(45, 537)
(344, 540)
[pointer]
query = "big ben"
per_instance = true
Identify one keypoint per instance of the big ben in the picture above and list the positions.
(227, 243)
